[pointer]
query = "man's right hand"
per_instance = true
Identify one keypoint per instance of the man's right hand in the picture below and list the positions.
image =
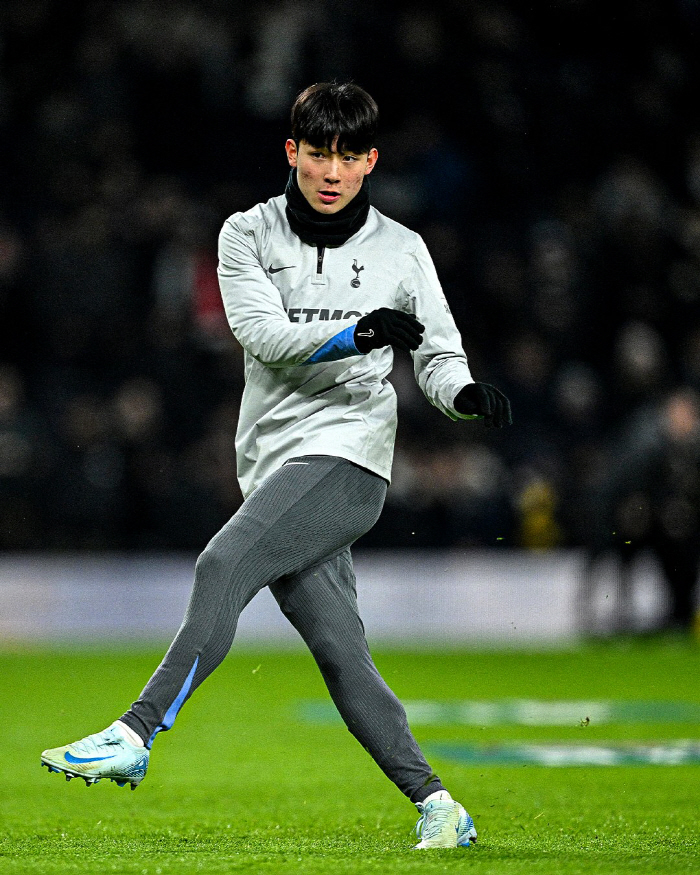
(385, 327)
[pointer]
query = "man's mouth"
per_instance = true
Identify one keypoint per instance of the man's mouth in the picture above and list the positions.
(329, 197)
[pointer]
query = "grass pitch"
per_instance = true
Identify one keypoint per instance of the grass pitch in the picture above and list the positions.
(241, 784)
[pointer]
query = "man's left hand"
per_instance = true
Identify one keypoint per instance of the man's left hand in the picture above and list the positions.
(482, 399)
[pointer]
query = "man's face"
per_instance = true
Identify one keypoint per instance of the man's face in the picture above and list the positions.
(329, 179)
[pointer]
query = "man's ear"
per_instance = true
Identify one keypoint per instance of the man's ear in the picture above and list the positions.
(372, 156)
(291, 149)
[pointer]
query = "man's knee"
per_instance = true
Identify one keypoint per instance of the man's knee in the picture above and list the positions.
(211, 562)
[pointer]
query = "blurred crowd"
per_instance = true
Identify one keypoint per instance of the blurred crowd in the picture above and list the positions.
(550, 159)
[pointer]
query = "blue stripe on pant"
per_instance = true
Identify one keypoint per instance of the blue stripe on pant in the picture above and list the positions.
(178, 702)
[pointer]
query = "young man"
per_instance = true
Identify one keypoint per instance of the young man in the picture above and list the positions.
(319, 289)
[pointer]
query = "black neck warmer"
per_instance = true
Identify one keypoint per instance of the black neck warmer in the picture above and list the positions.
(320, 229)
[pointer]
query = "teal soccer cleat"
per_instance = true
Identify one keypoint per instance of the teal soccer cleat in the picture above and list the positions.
(106, 754)
(443, 823)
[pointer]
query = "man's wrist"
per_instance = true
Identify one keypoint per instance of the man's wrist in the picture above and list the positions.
(464, 402)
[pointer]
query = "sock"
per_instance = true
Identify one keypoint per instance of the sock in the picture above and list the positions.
(129, 734)
(434, 785)
(441, 795)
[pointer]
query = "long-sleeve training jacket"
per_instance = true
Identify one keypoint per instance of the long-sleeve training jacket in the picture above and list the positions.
(293, 308)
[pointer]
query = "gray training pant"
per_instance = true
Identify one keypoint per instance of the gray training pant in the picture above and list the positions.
(293, 534)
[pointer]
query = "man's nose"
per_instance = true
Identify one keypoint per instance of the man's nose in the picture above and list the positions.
(333, 171)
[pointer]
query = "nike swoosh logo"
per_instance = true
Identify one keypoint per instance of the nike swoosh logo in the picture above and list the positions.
(71, 759)
(272, 269)
(369, 333)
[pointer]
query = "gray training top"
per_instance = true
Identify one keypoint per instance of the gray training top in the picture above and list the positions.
(293, 308)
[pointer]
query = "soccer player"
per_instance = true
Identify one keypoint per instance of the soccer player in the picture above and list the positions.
(319, 289)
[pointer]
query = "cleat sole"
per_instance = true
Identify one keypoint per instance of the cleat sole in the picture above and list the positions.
(89, 781)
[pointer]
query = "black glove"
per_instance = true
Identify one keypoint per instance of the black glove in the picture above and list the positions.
(482, 399)
(385, 327)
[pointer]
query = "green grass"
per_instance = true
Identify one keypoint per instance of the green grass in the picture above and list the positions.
(241, 785)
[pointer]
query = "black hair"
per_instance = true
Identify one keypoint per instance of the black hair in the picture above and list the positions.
(328, 110)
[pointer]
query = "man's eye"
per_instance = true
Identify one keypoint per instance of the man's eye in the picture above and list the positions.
(349, 158)
(317, 154)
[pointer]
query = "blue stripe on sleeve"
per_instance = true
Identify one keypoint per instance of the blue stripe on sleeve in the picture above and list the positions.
(340, 346)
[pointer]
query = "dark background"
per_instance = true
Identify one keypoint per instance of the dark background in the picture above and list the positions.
(550, 156)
